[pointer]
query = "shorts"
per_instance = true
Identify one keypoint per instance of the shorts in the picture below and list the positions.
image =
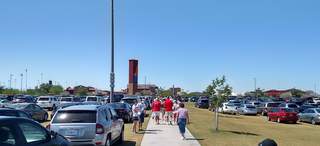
(156, 114)
(141, 118)
(135, 119)
(169, 114)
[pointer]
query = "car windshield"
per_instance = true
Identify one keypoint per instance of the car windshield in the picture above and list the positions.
(204, 101)
(117, 106)
(318, 110)
(17, 106)
(292, 106)
(250, 106)
(289, 110)
(66, 99)
(130, 101)
(92, 99)
(43, 99)
(81, 116)
(273, 104)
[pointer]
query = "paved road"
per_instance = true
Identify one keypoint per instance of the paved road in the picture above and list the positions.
(165, 135)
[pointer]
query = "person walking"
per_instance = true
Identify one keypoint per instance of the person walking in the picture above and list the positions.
(142, 108)
(175, 108)
(135, 116)
(156, 107)
(168, 105)
(183, 119)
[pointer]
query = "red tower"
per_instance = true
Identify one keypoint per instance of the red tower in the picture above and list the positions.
(133, 77)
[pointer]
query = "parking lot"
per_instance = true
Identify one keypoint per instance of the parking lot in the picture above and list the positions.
(238, 130)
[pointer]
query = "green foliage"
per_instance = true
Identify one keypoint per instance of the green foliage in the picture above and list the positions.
(56, 90)
(165, 93)
(1, 89)
(11, 91)
(297, 93)
(219, 91)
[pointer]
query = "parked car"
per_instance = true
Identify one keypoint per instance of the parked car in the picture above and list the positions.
(36, 112)
(47, 102)
(68, 100)
(311, 115)
(316, 100)
(94, 99)
(194, 99)
(25, 132)
(247, 109)
(123, 110)
(24, 99)
(202, 103)
(4, 102)
(293, 106)
(230, 108)
(88, 125)
(130, 100)
(283, 115)
(266, 107)
(306, 106)
(14, 113)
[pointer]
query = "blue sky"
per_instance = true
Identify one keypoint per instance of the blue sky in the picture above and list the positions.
(183, 42)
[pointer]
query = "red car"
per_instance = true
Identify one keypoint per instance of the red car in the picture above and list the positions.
(283, 115)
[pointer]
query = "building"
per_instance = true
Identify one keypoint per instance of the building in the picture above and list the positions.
(275, 93)
(133, 77)
(147, 89)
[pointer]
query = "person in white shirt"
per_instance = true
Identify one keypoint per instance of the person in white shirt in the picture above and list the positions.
(135, 116)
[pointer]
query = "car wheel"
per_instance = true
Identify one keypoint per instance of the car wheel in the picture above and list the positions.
(313, 122)
(278, 120)
(45, 117)
(108, 141)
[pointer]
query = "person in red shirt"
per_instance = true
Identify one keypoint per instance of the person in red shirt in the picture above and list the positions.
(168, 105)
(156, 107)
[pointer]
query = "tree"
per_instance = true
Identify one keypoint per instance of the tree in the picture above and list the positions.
(219, 91)
(45, 88)
(1, 89)
(165, 93)
(81, 91)
(56, 90)
(297, 93)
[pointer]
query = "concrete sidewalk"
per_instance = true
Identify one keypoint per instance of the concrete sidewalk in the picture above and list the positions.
(166, 135)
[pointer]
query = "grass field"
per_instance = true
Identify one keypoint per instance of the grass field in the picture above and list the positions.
(130, 139)
(249, 130)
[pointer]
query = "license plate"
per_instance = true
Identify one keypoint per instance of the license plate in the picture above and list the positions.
(71, 132)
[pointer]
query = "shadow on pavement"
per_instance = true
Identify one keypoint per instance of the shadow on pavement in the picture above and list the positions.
(241, 133)
(151, 130)
(127, 143)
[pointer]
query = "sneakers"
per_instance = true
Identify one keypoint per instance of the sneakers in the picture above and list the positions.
(183, 137)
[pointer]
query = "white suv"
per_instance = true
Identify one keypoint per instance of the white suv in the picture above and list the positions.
(47, 102)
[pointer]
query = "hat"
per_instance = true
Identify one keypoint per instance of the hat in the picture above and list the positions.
(268, 142)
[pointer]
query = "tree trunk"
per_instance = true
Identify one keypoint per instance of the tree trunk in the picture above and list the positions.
(217, 120)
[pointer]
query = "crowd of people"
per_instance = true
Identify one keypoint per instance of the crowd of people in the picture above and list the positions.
(164, 111)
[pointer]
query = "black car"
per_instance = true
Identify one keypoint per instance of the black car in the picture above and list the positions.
(24, 132)
(37, 113)
(14, 113)
(202, 103)
(24, 99)
(306, 106)
(123, 110)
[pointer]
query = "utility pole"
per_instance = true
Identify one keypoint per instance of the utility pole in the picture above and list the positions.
(255, 87)
(173, 93)
(41, 78)
(112, 74)
(145, 85)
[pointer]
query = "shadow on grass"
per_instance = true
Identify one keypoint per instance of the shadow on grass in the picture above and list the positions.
(198, 139)
(127, 143)
(240, 133)
(230, 116)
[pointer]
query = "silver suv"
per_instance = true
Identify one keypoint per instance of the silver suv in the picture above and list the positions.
(47, 102)
(88, 125)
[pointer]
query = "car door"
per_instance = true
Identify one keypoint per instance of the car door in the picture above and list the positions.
(311, 114)
(39, 111)
(115, 123)
(113, 126)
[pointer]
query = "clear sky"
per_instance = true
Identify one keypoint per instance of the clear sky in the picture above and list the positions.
(183, 42)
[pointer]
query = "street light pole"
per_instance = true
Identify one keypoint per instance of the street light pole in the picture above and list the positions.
(112, 74)
(26, 79)
(21, 75)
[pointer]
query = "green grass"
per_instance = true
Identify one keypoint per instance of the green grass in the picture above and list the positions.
(249, 130)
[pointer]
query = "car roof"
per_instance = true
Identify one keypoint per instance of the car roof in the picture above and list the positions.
(81, 107)
(131, 97)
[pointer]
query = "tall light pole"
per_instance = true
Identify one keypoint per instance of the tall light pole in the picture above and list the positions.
(21, 75)
(26, 79)
(10, 81)
(112, 74)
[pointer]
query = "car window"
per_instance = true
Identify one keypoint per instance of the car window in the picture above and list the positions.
(7, 136)
(311, 111)
(292, 106)
(77, 116)
(108, 114)
(32, 132)
(23, 115)
(43, 99)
